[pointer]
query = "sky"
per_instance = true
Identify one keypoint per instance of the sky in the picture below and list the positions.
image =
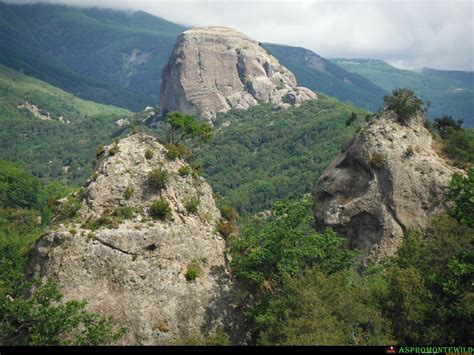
(409, 34)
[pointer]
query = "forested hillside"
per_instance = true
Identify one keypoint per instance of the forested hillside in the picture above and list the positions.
(260, 156)
(51, 133)
(108, 56)
(319, 74)
(446, 97)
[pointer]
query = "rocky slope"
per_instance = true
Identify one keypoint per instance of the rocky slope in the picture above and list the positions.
(137, 268)
(387, 181)
(215, 69)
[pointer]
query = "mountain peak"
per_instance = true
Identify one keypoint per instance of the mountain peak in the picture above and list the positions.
(214, 69)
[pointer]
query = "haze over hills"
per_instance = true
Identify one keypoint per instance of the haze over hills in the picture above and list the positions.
(320, 74)
(447, 96)
(116, 57)
(108, 56)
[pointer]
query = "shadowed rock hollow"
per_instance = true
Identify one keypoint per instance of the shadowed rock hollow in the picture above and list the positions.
(215, 69)
(387, 181)
(132, 266)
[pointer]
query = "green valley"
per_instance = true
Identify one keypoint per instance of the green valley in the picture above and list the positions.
(446, 97)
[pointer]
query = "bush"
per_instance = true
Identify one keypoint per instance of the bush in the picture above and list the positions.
(114, 149)
(461, 192)
(128, 193)
(160, 209)
(123, 212)
(192, 204)
(229, 213)
(225, 228)
(377, 160)
(404, 103)
(410, 151)
(192, 272)
(149, 154)
(158, 179)
(185, 170)
(175, 151)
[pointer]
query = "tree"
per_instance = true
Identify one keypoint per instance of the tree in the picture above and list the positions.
(404, 103)
(186, 129)
(447, 124)
(32, 314)
(461, 192)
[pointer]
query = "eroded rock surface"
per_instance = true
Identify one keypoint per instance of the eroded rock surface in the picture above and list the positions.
(134, 268)
(387, 181)
(215, 69)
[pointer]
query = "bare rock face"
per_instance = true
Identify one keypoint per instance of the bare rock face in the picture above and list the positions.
(134, 267)
(387, 181)
(215, 69)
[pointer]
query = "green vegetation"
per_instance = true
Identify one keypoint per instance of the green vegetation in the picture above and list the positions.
(193, 271)
(128, 193)
(186, 130)
(52, 149)
(192, 204)
(108, 56)
(319, 74)
(175, 151)
(457, 142)
(158, 178)
(260, 155)
(185, 170)
(306, 289)
(149, 154)
(160, 209)
(36, 318)
(445, 94)
(404, 103)
(461, 192)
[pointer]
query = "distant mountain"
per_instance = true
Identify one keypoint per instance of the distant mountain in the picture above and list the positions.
(51, 133)
(446, 96)
(319, 74)
(108, 56)
(462, 78)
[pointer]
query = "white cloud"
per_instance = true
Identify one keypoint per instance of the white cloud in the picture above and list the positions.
(437, 34)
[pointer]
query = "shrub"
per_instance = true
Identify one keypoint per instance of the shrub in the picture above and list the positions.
(73, 231)
(114, 149)
(128, 193)
(149, 154)
(197, 169)
(123, 212)
(185, 170)
(404, 103)
(225, 228)
(175, 151)
(377, 160)
(461, 192)
(192, 204)
(100, 150)
(160, 209)
(192, 272)
(229, 213)
(158, 179)
(410, 151)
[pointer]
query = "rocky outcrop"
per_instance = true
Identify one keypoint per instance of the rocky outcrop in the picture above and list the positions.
(215, 69)
(387, 181)
(137, 268)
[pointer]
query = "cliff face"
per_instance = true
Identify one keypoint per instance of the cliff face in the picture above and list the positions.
(215, 69)
(387, 181)
(137, 268)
